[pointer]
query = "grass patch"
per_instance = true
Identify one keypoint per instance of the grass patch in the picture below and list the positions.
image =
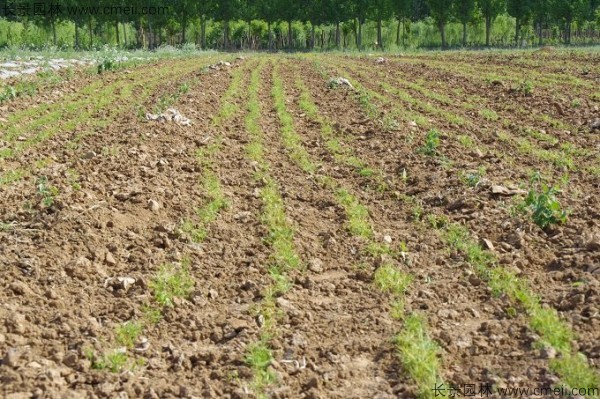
(128, 333)
(171, 282)
(291, 139)
(390, 279)
(419, 355)
(546, 322)
(358, 214)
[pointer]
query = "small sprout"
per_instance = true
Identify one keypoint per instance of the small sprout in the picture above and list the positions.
(128, 333)
(432, 142)
(389, 278)
(46, 191)
(171, 282)
(544, 207)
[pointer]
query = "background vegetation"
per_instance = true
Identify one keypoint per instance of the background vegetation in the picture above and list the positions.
(295, 24)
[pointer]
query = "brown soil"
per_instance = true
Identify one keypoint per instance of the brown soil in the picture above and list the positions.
(335, 338)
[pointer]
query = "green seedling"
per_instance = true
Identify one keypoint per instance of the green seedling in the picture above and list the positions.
(46, 191)
(432, 142)
(128, 333)
(390, 279)
(171, 282)
(545, 209)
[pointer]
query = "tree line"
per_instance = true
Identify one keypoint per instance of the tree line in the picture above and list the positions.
(339, 16)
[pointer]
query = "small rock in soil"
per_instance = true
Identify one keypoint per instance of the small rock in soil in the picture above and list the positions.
(387, 239)
(11, 358)
(315, 265)
(110, 259)
(153, 205)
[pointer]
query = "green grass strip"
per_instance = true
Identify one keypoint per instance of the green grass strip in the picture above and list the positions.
(572, 367)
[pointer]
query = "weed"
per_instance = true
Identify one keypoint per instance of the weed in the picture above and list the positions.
(473, 178)
(419, 355)
(259, 358)
(397, 309)
(151, 315)
(128, 333)
(358, 215)
(46, 191)
(466, 141)
(432, 142)
(9, 93)
(171, 282)
(114, 361)
(576, 103)
(108, 64)
(525, 87)
(544, 207)
(390, 279)
(489, 114)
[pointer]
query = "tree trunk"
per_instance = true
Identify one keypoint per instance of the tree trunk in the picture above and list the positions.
(76, 35)
(249, 34)
(270, 42)
(379, 34)
(150, 35)
(443, 33)
(312, 37)
(91, 32)
(117, 31)
(488, 29)
(404, 31)
(359, 36)
(183, 28)
(337, 35)
(54, 31)
(464, 40)
(517, 29)
(290, 44)
(540, 34)
(398, 33)
(203, 32)
(322, 38)
(568, 31)
(226, 35)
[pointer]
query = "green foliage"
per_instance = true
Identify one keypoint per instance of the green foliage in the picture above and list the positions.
(545, 209)
(432, 142)
(389, 278)
(171, 282)
(46, 191)
(419, 355)
(128, 333)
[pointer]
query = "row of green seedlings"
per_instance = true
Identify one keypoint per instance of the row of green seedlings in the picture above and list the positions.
(540, 203)
(418, 353)
(567, 150)
(562, 158)
(46, 192)
(173, 281)
(85, 95)
(68, 117)
(554, 332)
(495, 72)
(334, 142)
(545, 210)
(215, 198)
(30, 87)
(81, 99)
(170, 283)
(284, 257)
